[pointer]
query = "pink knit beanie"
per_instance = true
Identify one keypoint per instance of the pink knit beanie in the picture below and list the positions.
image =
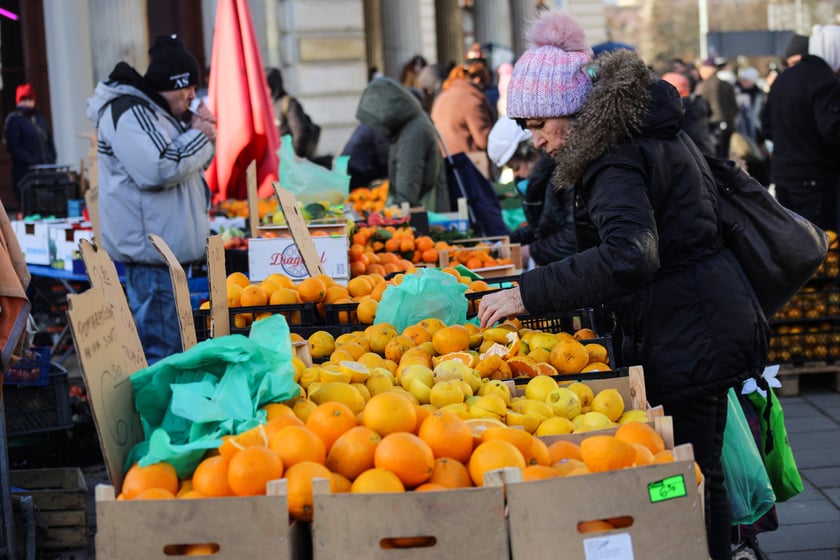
(550, 78)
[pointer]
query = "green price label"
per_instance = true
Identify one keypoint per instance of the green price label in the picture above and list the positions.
(667, 489)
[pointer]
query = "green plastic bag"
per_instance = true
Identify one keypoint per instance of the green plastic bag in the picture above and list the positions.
(426, 293)
(188, 401)
(310, 182)
(777, 454)
(747, 484)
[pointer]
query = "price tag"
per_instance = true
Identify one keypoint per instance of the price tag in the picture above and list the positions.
(667, 489)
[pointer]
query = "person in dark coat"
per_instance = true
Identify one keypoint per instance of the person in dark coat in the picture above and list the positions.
(27, 137)
(803, 121)
(549, 233)
(291, 118)
(650, 247)
(721, 98)
(368, 151)
(416, 172)
(696, 112)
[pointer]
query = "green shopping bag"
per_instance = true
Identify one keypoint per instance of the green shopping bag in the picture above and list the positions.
(776, 452)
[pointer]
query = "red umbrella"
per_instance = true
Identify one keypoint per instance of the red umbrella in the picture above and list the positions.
(239, 98)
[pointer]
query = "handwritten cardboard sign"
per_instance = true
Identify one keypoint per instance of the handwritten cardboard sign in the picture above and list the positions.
(251, 192)
(107, 363)
(299, 231)
(181, 290)
(216, 278)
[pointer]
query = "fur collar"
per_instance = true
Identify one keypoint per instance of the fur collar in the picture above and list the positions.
(613, 113)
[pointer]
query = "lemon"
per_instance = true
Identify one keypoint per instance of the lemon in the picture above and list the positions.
(451, 369)
(496, 387)
(460, 410)
(363, 390)
(420, 390)
(445, 393)
(532, 406)
(596, 421)
(357, 371)
(321, 344)
(539, 387)
(339, 392)
(303, 407)
(478, 412)
(329, 375)
(298, 366)
(633, 416)
(466, 388)
(610, 403)
(309, 375)
(473, 380)
(584, 393)
(555, 426)
(491, 403)
(379, 383)
(419, 372)
(530, 422)
(403, 392)
(564, 402)
(542, 340)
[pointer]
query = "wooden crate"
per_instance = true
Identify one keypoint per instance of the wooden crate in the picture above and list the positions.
(242, 528)
(663, 501)
(60, 496)
(466, 524)
(790, 375)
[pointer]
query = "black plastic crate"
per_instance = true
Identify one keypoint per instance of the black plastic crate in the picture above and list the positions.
(32, 369)
(830, 268)
(811, 303)
(241, 318)
(47, 191)
(562, 321)
(33, 409)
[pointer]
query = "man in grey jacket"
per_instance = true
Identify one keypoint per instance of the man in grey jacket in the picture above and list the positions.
(152, 152)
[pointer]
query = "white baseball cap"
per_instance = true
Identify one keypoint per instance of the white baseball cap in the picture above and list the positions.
(504, 138)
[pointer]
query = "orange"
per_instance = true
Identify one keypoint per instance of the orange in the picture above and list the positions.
(158, 475)
(251, 469)
(594, 526)
(377, 480)
(454, 338)
(532, 449)
(422, 414)
(568, 356)
(274, 410)
(390, 412)
(238, 278)
(299, 488)
(280, 279)
(366, 310)
(326, 279)
(491, 455)
(155, 494)
(644, 434)
(428, 487)
(396, 347)
(538, 472)
(643, 455)
(295, 444)
(606, 453)
(201, 549)
(666, 456)
(447, 435)
(585, 334)
(284, 296)
(569, 467)
(352, 453)
(341, 484)
(253, 296)
(234, 292)
(407, 456)
(597, 353)
(312, 289)
(211, 477)
(255, 437)
(379, 336)
(359, 286)
(335, 293)
(432, 324)
(563, 449)
(450, 473)
(417, 334)
(430, 256)
(329, 420)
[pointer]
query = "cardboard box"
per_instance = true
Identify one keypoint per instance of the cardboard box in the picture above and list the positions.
(500, 247)
(266, 256)
(662, 504)
(65, 238)
(463, 523)
(60, 496)
(34, 241)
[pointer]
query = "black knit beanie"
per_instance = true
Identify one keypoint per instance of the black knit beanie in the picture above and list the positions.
(171, 66)
(798, 44)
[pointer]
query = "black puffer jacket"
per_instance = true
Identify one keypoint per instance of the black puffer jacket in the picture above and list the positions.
(550, 232)
(649, 243)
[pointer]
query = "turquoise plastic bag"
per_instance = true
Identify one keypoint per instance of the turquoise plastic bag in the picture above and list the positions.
(747, 484)
(426, 293)
(188, 401)
(310, 182)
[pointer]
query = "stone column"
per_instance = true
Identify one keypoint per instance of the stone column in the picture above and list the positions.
(521, 12)
(401, 34)
(118, 31)
(450, 32)
(492, 23)
(373, 34)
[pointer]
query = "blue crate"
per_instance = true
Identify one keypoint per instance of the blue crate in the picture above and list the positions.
(33, 369)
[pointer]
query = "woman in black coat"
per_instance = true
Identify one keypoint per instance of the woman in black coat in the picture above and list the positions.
(649, 244)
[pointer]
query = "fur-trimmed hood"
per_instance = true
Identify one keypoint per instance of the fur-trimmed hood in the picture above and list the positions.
(626, 101)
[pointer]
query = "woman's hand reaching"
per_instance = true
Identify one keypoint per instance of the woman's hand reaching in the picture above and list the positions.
(499, 306)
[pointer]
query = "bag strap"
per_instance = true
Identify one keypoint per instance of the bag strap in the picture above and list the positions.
(284, 104)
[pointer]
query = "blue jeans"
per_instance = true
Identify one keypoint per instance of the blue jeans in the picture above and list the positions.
(152, 301)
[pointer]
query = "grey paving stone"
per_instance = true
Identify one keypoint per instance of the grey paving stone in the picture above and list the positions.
(796, 407)
(825, 554)
(823, 477)
(829, 439)
(815, 457)
(811, 423)
(802, 538)
(810, 511)
(833, 495)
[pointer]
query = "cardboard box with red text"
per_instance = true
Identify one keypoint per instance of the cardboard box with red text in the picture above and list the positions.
(281, 255)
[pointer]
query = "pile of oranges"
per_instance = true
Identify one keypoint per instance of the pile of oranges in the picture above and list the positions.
(239, 208)
(366, 200)
(395, 249)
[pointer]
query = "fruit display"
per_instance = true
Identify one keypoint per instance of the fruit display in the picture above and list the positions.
(368, 200)
(239, 208)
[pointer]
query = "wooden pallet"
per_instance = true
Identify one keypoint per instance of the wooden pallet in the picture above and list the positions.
(790, 374)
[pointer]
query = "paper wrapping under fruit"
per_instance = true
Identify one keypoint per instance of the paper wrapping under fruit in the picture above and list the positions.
(188, 401)
(424, 294)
